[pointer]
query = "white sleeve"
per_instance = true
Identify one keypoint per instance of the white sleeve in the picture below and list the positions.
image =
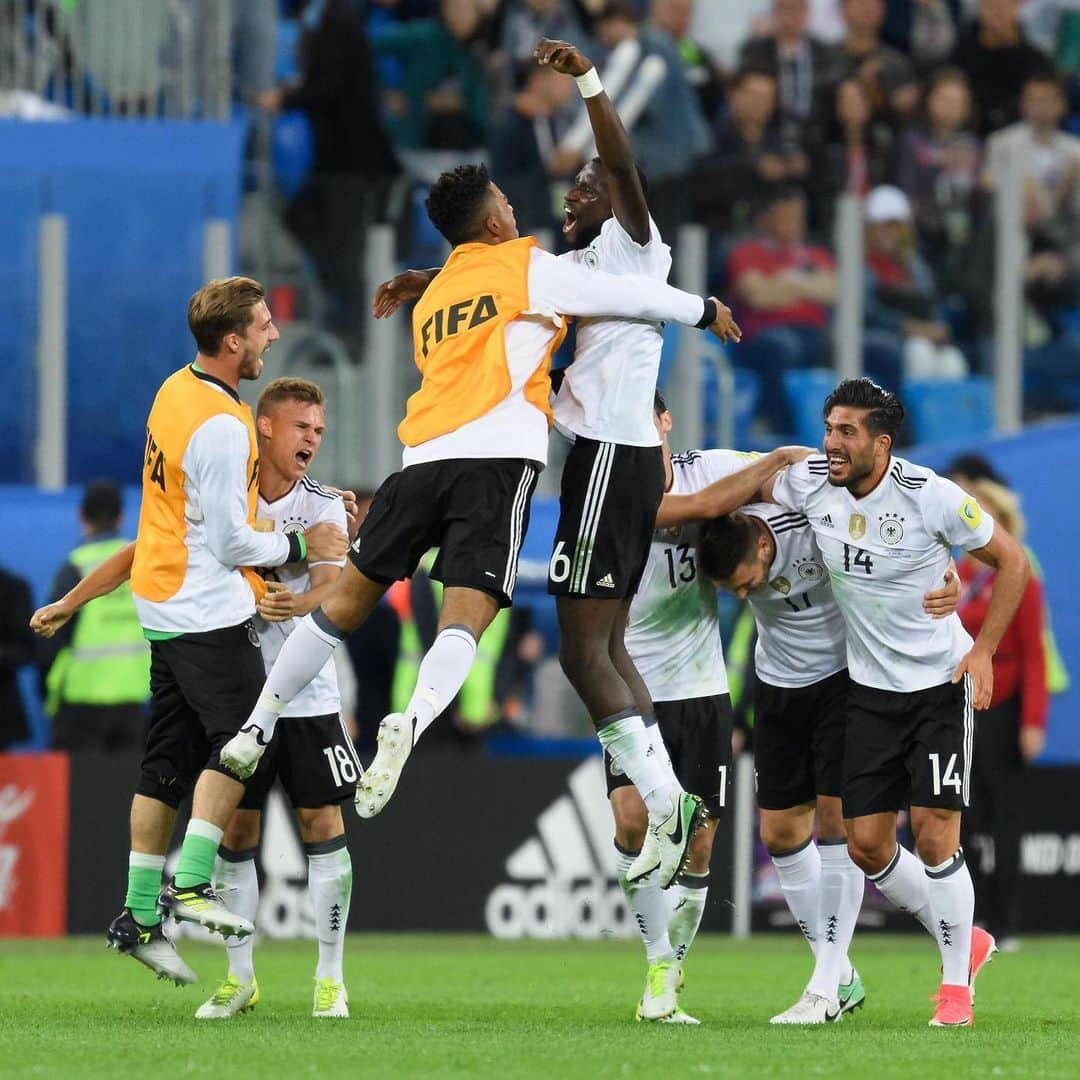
(957, 517)
(215, 464)
(718, 464)
(793, 484)
(335, 514)
(566, 287)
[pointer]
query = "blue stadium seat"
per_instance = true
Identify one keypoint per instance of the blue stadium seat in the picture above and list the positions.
(286, 68)
(806, 390)
(939, 410)
(292, 151)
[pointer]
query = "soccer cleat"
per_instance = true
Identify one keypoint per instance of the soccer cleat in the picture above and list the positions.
(331, 999)
(150, 946)
(667, 843)
(679, 1016)
(661, 983)
(954, 1007)
(810, 1009)
(230, 999)
(379, 782)
(242, 753)
(851, 995)
(983, 947)
(200, 904)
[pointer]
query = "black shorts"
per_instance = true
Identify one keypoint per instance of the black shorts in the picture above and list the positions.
(202, 688)
(313, 757)
(474, 510)
(607, 515)
(799, 741)
(697, 734)
(908, 748)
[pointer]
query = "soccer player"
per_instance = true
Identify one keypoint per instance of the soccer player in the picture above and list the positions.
(674, 641)
(885, 527)
(475, 437)
(196, 607)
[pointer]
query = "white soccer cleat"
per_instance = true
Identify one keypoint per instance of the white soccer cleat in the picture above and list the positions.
(331, 999)
(659, 1001)
(230, 999)
(667, 842)
(150, 946)
(242, 753)
(679, 1016)
(379, 782)
(200, 904)
(810, 1009)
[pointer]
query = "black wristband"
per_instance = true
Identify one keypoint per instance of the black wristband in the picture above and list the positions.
(296, 548)
(710, 314)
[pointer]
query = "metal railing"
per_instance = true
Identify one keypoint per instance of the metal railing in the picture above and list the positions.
(120, 58)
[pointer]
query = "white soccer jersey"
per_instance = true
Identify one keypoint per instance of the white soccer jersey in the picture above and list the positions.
(305, 505)
(800, 629)
(607, 393)
(674, 632)
(883, 553)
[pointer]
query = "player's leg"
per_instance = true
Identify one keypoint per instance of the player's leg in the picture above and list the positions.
(483, 516)
(236, 877)
(319, 770)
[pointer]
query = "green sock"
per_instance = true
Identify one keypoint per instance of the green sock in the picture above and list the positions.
(144, 884)
(196, 864)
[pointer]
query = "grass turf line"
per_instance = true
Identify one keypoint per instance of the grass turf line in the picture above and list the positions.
(458, 1005)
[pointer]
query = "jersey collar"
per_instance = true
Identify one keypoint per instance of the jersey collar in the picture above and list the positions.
(207, 377)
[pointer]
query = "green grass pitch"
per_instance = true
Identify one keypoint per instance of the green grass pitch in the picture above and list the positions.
(473, 1006)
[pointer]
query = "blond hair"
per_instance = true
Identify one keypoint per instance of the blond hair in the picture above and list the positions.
(220, 307)
(289, 388)
(1002, 504)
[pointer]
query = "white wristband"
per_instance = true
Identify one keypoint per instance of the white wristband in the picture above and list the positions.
(589, 84)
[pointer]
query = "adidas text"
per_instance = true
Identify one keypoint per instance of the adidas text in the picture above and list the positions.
(606, 582)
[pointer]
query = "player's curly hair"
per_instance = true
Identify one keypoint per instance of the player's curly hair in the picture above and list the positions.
(885, 414)
(457, 201)
(724, 544)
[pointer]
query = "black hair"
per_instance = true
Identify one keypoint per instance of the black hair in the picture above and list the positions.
(975, 467)
(780, 192)
(457, 201)
(724, 544)
(659, 405)
(1046, 74)
(101, 505)
(885, 414)
(618, 9)
(749, 72)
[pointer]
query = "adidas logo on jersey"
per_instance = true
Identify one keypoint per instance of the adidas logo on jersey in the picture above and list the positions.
(606, 582)
(826, 522)
(563, 880)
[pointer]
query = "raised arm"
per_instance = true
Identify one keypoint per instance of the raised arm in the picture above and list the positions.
(728, 494)
(628, 201)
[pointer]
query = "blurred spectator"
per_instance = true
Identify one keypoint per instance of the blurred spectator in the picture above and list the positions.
(998, 60)
(887, 74)
(16, 649)
(938, 169)
(783, 292)
(96, 668)
(750, 154)
(1050, 161)
(925, 30)
(904, 337)
(804, 68)
(523, 142)
(858, 151)
(441, 102)
(354, 161)
(1010, 734)
(644, 77)
(674, 18)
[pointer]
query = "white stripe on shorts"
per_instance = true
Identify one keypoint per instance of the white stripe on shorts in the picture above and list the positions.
(517, 521)
(591, 513)
(969, 734)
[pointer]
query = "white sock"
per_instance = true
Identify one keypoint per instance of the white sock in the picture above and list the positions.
(633, 750)
(687, 905)
(840, 895)
(904, 882)
(649, 907)
(800, 881)
(302, 657)
(330, 885)
(443, 671)
(952, 902)
(235, 871)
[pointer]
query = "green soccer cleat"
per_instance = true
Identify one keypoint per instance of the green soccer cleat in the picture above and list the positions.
(659, 1000)
(200, 904)
(230, 999)
(150, 946)
(331, 999)
(852, 994)
(667, 842)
